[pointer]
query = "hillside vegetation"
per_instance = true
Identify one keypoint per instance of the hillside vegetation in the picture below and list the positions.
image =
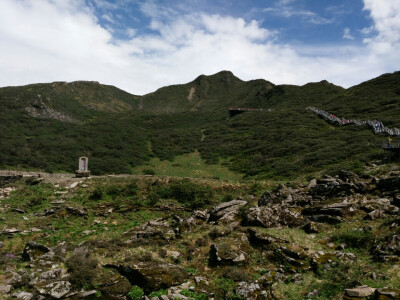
(48, 126)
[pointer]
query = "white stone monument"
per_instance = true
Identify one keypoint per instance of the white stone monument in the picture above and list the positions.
(83, 170)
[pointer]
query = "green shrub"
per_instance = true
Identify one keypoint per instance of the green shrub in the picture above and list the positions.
(82, 268)
(193, 295)
(135, 293)
(97, 194)
(354, 238)
(158, 293)
(187, 192)
(225, 289)
(148, 172)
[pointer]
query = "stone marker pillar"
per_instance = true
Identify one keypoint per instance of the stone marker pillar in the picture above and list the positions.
(83, 170)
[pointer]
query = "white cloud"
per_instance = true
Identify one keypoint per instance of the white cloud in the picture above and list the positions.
(285, 8)
(347, 35)
(49, 40)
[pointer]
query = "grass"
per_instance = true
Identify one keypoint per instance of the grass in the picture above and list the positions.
(188, 165)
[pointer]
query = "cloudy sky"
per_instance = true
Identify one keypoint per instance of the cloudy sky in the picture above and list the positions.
(141, 45)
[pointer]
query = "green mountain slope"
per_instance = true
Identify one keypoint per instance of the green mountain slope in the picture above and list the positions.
(47, 126)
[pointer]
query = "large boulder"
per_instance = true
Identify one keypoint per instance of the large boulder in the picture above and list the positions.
(57, 289)
(340, 209)
(267, 199)
(182, 225)
(387, 293)
(152, 276)
(264, 240)
(226, 210)
(388, 249)
(228, 252)
(333, 187)
(153, 230)
(273, 216)
(389, 184)
(34, 251)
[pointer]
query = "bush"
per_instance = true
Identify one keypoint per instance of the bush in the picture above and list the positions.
(148, 172)
(193, 295)
(97, 194)
(236, 274)
(187, 192)
(354, 238)
(83, 269)
(158, 293)
(225, 289)
(135, 293)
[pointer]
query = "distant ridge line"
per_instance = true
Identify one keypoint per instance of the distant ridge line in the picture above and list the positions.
(376, 125)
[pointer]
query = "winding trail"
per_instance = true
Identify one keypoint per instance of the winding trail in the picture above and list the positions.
(376, 125)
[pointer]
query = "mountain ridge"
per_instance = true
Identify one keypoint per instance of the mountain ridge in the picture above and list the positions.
(46, 126)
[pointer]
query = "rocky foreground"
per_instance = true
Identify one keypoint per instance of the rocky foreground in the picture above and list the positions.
(156, 238)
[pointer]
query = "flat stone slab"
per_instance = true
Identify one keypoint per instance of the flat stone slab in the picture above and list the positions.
(361, 291)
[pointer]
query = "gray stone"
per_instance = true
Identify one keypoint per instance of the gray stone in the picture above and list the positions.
(273, 216)
(361, 291)
(23, 295)
(247, 290)
(227, 252)
(13, 279)
(226, 208)
(152, 276)
(267, 199)
(56, 289)
(33, 251)
(5, 288)
(48, 276)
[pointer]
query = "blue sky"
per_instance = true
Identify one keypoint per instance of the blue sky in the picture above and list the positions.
(296, 21)
(140, 46)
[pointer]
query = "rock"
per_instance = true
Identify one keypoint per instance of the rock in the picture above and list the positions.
(154, 230)
(151, 276)
(5, 288)
(247, 290)
(225, 209)
(310, 227)
(50, 275)
(386, 293)
(73, 185)
(327, 219)
(77, 211)
(23, 295)
(200, 280)
(264, 240)
(228, 252)
(56, 289)
(86, 232)
(114, 284)
(271, 277)
(33, 180)
(388, 250)
(9, 231)
(375, 214)
(273, 216)
(361, 291)
(313, 183)
(13, 279)
(182, 226)
(174, 254)
(267, 199)
(332, 187)
(391, 183)
(337, 209)
(33, 251)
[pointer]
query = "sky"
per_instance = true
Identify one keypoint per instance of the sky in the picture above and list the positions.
(142, 45)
